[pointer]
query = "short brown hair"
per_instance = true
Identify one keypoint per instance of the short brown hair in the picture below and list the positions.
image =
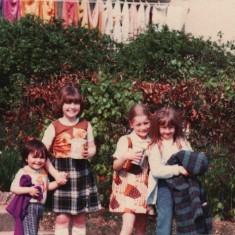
(68, 94)
(33, 146)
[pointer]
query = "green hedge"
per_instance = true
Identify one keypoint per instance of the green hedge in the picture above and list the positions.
(159, 67)
(167, 56)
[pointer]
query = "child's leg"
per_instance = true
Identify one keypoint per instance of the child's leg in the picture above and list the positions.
(164, 209)
(79, 224)
(62, 224)
(128, 221)
(32, 219)
(140, 224)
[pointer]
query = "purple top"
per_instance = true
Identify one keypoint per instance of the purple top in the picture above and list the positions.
(18, 206)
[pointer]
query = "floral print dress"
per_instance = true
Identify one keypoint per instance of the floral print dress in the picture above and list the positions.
(129, 190)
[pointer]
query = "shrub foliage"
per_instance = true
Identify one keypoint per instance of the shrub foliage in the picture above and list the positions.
(157, 68)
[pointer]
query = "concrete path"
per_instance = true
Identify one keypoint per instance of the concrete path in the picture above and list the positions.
(7, 223)
(12, 233)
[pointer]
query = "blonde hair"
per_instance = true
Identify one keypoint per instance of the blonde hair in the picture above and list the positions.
(138, 110)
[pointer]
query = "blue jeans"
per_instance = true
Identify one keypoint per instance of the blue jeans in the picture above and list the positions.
(164, 209)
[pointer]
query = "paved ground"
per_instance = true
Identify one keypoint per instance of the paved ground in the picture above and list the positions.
(102, 222)
(12, 233)
(7, 224)
(7, 221)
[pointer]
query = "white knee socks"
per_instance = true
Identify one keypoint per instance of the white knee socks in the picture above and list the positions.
(64, 231)
(78, 231)
(75, 231)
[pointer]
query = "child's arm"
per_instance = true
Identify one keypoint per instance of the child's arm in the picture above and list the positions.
(33, 191)
(123, 154)
(49, 135)
(60, 177)
(53, 185)
(118, 163)
(130, 155)
(183, 171)
(158, 169)
(89, 151)
(16, 187)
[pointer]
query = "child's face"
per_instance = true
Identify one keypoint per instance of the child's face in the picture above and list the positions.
(71, 110)
(167, 132)
(141, 125)
(35, 162)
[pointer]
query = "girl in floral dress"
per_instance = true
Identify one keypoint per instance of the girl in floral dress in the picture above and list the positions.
(130, 178)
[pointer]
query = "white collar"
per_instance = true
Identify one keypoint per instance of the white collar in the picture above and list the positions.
(136, 138)
(28, 168)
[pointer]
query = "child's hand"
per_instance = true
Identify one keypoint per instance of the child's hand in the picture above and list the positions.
(62, 178)
(33, 191)
(85, 152)
(183, 171)
(133, 155)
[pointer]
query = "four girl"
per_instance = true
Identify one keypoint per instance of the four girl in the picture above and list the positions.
(134, 187)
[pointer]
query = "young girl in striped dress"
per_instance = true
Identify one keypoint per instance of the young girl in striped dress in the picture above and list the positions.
(72, 144)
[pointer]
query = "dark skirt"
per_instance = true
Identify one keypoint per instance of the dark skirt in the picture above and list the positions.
(80, 193)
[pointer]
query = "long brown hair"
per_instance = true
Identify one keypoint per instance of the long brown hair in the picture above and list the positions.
(166, 116)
